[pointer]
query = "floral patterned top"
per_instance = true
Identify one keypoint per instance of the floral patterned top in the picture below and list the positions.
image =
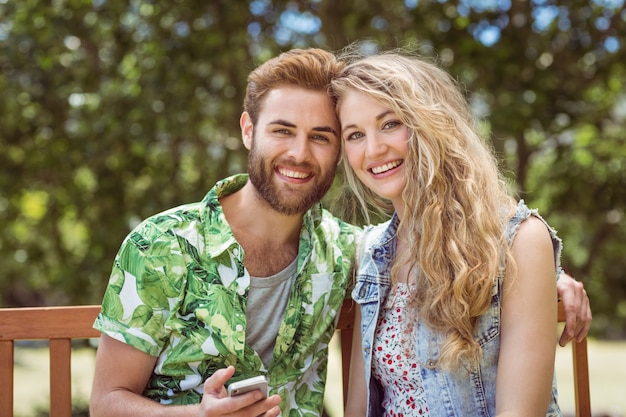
(395, 366)
(178, 291)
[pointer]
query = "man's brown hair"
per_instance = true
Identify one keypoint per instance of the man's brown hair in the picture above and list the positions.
(312, 69)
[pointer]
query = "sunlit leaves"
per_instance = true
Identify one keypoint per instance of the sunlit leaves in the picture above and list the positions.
(114, 110)
(33, 205)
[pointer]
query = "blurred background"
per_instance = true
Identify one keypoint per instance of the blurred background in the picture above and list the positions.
(111, 111)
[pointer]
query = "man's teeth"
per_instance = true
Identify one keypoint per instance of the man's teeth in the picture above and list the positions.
(293, 174)
(386, 167)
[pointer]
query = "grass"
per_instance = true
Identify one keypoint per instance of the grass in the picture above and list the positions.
(607, 373)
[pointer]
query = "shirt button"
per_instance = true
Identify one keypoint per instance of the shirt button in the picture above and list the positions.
(239, 328)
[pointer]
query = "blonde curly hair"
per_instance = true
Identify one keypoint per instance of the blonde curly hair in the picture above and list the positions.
(456, 202)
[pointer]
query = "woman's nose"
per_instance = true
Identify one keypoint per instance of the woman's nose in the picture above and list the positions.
(374, 146)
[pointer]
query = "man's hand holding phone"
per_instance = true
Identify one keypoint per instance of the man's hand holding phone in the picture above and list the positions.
(247, 396)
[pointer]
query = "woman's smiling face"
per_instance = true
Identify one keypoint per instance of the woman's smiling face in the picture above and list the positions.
(375, 143)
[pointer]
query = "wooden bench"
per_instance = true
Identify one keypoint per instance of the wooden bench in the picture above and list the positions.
(60, 325)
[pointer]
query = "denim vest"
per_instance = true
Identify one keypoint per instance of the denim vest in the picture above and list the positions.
(459, 393)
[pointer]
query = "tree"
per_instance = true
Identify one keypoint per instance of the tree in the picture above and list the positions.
(112, 111)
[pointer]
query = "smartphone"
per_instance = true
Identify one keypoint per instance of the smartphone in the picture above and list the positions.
(247, 385)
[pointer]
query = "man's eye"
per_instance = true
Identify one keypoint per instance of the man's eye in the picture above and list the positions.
(321, 138)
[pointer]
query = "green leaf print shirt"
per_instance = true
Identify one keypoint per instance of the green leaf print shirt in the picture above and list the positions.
(178, 291)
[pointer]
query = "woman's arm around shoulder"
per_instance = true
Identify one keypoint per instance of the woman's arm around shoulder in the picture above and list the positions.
(529, 325)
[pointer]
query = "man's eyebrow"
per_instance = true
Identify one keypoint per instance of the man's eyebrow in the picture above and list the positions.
(316, 128)
(325, 129)
(281, 122)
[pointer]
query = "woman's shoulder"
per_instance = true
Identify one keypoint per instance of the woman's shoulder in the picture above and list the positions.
(373, 233)
(521, 215)
(527, 226)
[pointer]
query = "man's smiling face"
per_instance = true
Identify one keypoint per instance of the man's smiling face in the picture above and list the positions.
(294, 148)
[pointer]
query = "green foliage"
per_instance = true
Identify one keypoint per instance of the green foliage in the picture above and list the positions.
(114, 110)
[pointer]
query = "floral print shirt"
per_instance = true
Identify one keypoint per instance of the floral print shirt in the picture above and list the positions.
(178, 291)
(395, 365)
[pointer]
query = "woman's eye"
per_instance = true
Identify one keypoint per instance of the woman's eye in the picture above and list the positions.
(391, 124)
(354, 136)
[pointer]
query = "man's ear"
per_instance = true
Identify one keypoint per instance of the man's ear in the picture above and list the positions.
(247, 129)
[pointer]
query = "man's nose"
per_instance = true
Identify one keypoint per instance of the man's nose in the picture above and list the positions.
(300, 148)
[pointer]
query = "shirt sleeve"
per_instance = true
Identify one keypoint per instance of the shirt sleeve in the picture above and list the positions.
(145, 284)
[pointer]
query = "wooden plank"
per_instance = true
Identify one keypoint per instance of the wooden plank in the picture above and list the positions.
(581, 378)
(582, 398)
(6, 377)
(561, 312)
(30, 323)
(345, 327)
(60, 378)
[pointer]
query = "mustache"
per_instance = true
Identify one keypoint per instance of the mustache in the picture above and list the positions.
(289, 162)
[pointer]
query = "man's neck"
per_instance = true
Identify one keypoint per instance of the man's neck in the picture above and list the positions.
(269, 239)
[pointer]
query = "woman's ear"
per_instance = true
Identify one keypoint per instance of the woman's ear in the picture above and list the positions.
(247, 129)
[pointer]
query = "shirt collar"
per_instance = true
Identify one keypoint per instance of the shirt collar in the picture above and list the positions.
(218, 233)
(217, 225)
(390, 232)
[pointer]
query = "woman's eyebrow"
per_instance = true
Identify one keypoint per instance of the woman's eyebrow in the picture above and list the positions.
(378, 118)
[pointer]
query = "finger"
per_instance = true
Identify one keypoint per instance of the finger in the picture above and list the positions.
(583, 312)
(582, 333)
(252, 401)
(214, 385)
(253, 404)
(564, 339)
(274, 412)
(267, 408)
(585, 323)
(570, 307)
(572, 317)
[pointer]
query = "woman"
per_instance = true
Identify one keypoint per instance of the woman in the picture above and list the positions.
(457, 292)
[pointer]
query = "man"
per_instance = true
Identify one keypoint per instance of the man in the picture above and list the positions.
(184, 302)
(247, 282)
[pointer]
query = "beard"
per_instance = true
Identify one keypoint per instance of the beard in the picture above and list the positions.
(285, 199)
